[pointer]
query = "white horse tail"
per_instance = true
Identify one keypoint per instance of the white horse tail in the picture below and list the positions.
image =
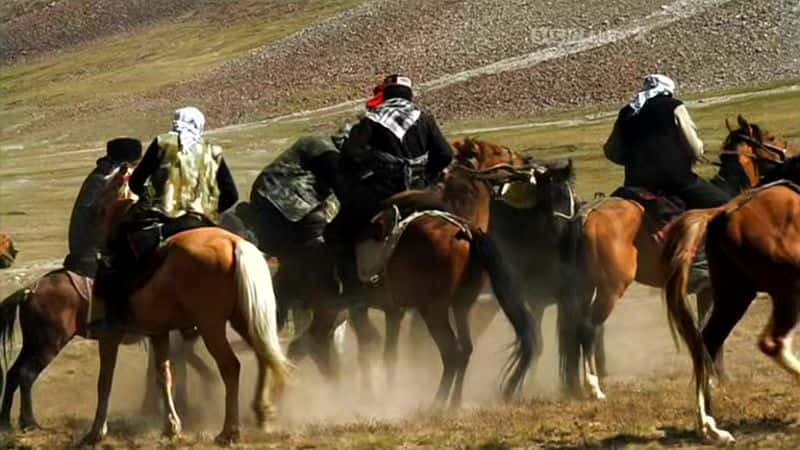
(258, 306)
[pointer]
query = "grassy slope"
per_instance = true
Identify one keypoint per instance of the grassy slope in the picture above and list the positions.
(87, 81)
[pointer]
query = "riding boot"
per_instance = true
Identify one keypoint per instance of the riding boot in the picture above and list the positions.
(699, 276)
(109, 289)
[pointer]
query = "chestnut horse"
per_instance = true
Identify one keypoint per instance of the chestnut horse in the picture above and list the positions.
(753, 245)
(206, 278)
(7, 251)
(437, 270)
(619, 248)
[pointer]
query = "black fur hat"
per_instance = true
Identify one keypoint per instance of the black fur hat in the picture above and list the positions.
(124, 149)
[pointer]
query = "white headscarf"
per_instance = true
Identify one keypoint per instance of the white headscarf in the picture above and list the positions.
(653, 86)
(188, 124)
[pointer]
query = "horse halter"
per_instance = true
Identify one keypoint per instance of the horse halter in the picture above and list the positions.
(774, 149)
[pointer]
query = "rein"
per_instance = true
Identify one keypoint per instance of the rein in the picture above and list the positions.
(572, 211)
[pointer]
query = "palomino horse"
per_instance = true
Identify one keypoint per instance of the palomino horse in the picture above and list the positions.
(752, 244)
(437, 270)
(206, 278)
(619, 248)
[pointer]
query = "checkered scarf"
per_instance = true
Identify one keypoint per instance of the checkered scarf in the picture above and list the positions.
(396, 115)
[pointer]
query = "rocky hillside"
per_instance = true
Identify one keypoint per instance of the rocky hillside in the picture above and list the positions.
(468, 57)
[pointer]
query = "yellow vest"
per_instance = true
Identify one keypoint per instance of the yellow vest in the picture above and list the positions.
(186, 181)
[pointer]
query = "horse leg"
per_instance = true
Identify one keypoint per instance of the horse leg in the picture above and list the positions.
(321, 336)
(734, 299)
(394, 318)
(705, 302)
(367, 336)
(261, 406)
(590, 329)
(220, 349)
(108, 348)
(776, 340)
(537, 312)
(461, 316)
(437, 319)
(150, 401)
(172, 422)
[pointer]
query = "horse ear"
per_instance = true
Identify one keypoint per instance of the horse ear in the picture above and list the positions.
(459, 144)
(742, 122)
(728, 126)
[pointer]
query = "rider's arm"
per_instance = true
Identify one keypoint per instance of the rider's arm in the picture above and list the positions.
(146, 167)
(228, 194)
(325, 168)
(614, 148)
(689, 129)
(439, 152)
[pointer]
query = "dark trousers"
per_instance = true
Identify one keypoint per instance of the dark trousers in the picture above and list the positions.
(701, 194)
(278, 235)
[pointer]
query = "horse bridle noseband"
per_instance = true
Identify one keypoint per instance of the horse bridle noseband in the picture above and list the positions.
(774, 149)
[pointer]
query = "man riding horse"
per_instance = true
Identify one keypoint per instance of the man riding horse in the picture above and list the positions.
(183, 183)
(293, 200)
(84, 223)
(376, 163)
(656, 140)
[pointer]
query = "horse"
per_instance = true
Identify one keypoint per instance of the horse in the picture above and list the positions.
(437, 269)
(204, 278)
(7, 251)
(537, 229)
(52, 311)
(618, 247)
(752, 246)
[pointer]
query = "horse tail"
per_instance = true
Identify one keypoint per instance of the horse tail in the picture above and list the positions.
(8, 319)
(573, 302)
(508, 294)
(257, 304)
(683, 240)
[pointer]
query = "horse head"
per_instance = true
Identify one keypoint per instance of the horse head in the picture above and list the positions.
(7, 251)
(753, 150)
(117, 198)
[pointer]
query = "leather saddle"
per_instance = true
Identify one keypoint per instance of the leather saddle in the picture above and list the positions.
(659, 210)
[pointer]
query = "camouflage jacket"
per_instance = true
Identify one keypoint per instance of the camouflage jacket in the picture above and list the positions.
(290, 185)
(185, 181)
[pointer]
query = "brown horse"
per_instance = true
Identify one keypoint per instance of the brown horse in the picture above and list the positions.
(437, 270)
(619, 247)
(7, 251)
(753, 244)
(205, 278)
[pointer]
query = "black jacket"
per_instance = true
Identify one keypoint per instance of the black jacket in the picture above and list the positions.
(359, 158)
(657, 154)
(84, 223)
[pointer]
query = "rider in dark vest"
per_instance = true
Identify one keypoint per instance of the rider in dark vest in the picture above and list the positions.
(656, 140)
(293, 199)
(84, 225)
(182, 183)
(377, 159)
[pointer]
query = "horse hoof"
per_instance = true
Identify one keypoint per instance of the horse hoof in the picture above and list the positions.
(29, 426)
(227, 438)
(264, 415)
(91, 439)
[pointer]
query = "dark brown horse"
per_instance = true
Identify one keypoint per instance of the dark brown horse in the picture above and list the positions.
(753, 245)
(437, 269)
(619, 247)
(205, 278)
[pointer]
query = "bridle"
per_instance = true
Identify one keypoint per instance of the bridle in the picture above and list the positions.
(774, 149)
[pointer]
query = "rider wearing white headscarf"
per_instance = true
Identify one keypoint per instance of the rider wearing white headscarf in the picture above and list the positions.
(181, 173)
(656, 140)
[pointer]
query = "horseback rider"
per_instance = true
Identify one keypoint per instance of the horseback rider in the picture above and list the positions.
(84, 226)
(377, 160)
(182, 182)
(656, 140)
(293, 199)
